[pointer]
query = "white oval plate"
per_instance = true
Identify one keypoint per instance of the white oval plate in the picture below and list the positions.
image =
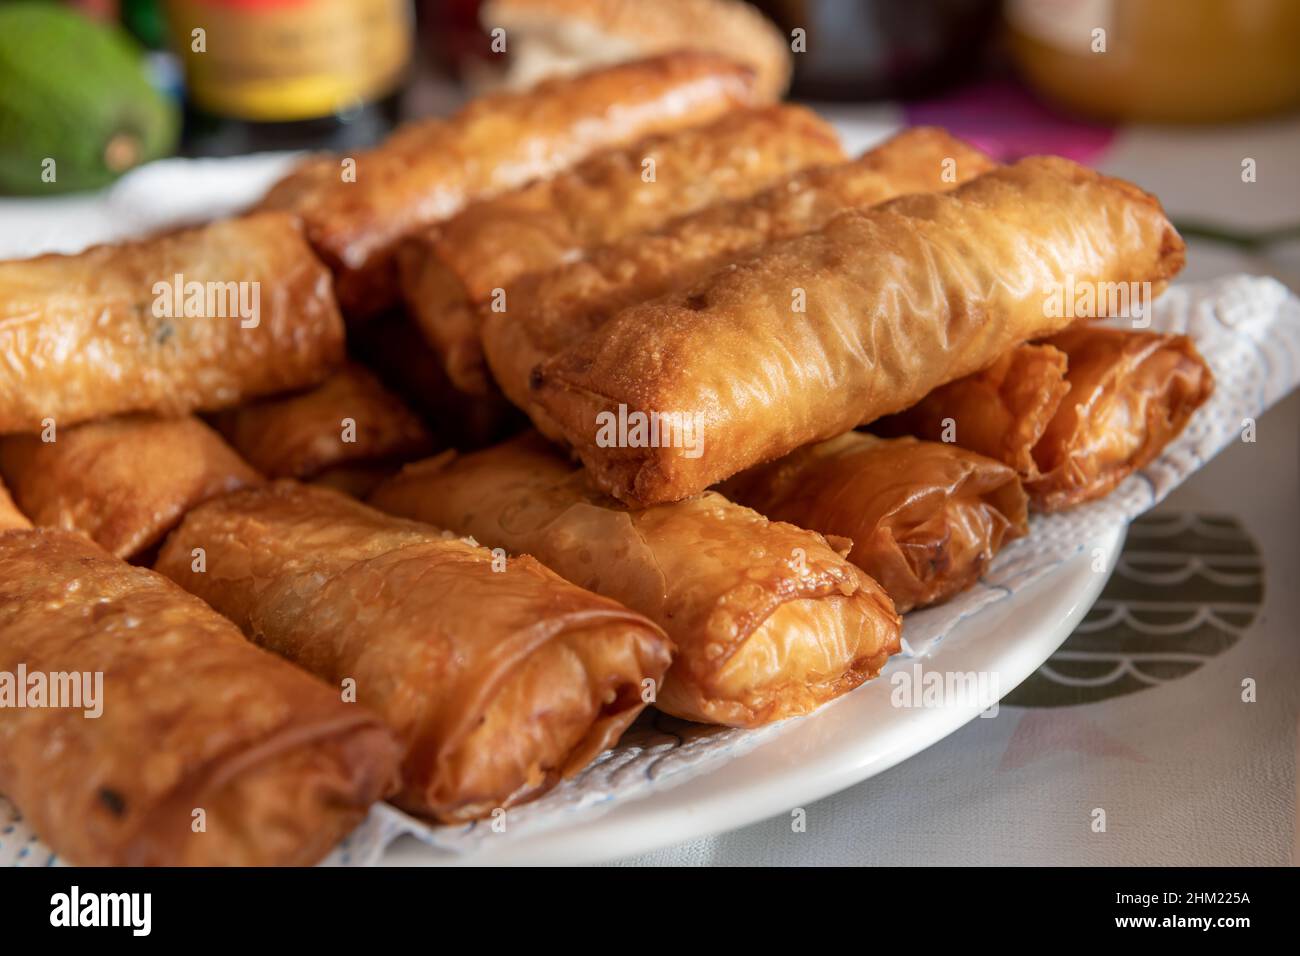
(856, 737)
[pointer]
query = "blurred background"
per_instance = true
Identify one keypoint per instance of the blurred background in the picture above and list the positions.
(1198, 100)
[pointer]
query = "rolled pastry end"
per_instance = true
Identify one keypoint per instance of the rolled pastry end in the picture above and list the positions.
(1000, 411)
(931, 561)
(1131, 394)
(568, 702)
(807, 652)
(925, 518)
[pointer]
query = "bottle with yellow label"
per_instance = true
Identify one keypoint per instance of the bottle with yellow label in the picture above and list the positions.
(284, 74)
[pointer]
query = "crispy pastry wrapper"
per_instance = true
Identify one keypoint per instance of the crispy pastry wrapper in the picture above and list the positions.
(925, 518)
(448, 270)
(499, 681)
(192, 717)
(350, 418)
(122, 482)
(90, 335)
(860, 319)
(1131, 394)
(551, 311)
(1001, 411)
(428, 171)
(770, 621)
(1074, 414)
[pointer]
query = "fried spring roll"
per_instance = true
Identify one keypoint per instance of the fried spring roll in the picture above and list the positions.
(124, 482)
(1089, 407)
(191, 718)
(770, 621)
(550, 311)
(429, 171)
(1131, 394)
(499, 681)
(925, 518)
(1001, 411)
(10, 516)
(197, 319)
(451, 268)
(337, 429)
(860, 319)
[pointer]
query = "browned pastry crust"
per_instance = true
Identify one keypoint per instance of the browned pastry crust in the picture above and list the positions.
(1131, 394)
(122, 482)
(1074, 414)
(1001, 411)
(770, 621)
(860, 319)
(428, 171)
(451, 268)
(558, 36)
(499, 680)
(303, 435)
(193, 717)
(925, 517)
(88, 336)
(550, 311)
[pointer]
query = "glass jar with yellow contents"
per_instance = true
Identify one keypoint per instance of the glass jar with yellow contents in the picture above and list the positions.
(1179, 61)
(270, 74)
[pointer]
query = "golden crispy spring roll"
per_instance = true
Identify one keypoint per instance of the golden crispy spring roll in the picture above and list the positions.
(770, 621)
(860, 319)
(10, 516)
(123, 482)
(500, 680)
(191, 717)
(925, 518)
(448, 270)
(1001, 411)
(193, 320)
(339, 428)
(1075, 414)
(550, 311)
(429, 171)
(1131, 393)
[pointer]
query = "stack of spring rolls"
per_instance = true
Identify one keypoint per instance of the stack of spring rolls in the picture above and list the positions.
(778, 397)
